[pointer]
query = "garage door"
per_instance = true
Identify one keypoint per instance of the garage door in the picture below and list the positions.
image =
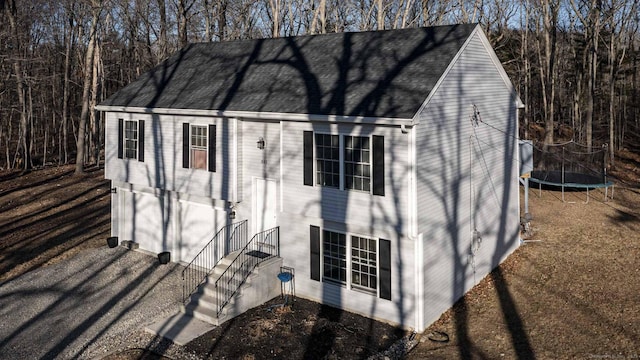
(197, 226)
(144, 222)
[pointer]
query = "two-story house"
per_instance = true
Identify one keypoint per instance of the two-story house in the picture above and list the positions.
(388, 160)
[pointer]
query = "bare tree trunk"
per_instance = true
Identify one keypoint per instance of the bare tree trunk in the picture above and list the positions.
(88, 70)
(163, 30)
(275, 21)
(524, 49)
(94, 138)
(381, 13)
(184, 6)
(12, 14)
(319, 15)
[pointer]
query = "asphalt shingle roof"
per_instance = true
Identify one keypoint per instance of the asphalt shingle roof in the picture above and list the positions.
(373, 74)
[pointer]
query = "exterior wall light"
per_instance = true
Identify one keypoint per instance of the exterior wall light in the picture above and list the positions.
(232, 214)
(261, 143)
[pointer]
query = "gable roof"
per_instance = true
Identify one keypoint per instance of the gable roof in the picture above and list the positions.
(364, 74)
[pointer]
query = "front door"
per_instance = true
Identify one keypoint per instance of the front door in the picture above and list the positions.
(265, 204)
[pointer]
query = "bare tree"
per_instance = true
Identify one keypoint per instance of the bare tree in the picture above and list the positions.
(11, 12)
(96, 9)
(547, 21)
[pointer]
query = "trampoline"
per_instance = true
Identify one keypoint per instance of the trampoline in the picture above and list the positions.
(571, 166)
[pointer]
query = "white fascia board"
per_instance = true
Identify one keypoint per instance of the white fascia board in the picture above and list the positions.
(261, 115)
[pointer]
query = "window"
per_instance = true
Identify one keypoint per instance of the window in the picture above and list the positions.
(357, 163)
(363, 263)
(334, 249)
(353, 261)
(198, 147)
(345, 163)
(130, 139)
(328, 160)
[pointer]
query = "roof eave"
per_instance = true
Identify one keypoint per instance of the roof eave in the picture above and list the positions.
(260, 115)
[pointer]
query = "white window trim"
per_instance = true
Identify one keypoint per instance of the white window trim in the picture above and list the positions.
(343, 174)
(341, 150)
(340, 163)
(206, 146)
(124, 139)
(348, 283)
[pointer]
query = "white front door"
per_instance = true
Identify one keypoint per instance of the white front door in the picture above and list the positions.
(265, 204)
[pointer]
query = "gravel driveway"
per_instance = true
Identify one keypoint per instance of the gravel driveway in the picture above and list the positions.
(87, 306)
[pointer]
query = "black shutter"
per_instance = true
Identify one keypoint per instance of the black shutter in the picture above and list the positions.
(141, 140)
(212, 148)
(385, 268)
(185, 145)
(315, 252)
(120, 138)
(378, 165)
(308, 158)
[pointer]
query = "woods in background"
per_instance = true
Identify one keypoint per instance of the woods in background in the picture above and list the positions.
(573, 62)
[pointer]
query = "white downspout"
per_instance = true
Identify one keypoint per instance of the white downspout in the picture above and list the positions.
(413, 226)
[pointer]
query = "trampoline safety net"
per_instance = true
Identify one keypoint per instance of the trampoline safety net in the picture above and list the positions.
(570, 164)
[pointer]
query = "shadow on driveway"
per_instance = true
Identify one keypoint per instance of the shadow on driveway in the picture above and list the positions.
(85, 306)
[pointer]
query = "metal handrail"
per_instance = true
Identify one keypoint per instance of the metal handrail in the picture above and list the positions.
(262, 246)
(228, 239)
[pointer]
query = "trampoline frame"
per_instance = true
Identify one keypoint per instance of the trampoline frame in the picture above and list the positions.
(574, 185)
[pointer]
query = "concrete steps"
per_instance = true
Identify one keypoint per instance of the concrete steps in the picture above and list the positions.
(260, 286)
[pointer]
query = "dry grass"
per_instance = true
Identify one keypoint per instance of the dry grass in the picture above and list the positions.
(571, 293)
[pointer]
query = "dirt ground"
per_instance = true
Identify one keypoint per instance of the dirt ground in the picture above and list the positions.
(571, 291)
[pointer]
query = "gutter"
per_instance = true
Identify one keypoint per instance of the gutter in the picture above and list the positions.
(261, 115)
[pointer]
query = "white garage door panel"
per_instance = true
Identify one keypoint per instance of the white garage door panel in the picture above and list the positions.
(198, 225)
(145, 223)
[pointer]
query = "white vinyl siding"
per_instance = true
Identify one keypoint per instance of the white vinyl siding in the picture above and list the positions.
(162, 167)
(347, 206)
(350, 212)
(466, 179)
(294, 249)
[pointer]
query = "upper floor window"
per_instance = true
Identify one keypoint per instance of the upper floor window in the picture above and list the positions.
(328, 160)
(198, 147)
(131, 139)
(347, 162)
(357, 163)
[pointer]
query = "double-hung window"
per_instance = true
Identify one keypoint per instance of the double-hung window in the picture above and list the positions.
(131, 139)
(344, 162)
(334, 256)
(364, 263)
(199, 146)
(350, 260)
(328, 160)
(357, 163)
